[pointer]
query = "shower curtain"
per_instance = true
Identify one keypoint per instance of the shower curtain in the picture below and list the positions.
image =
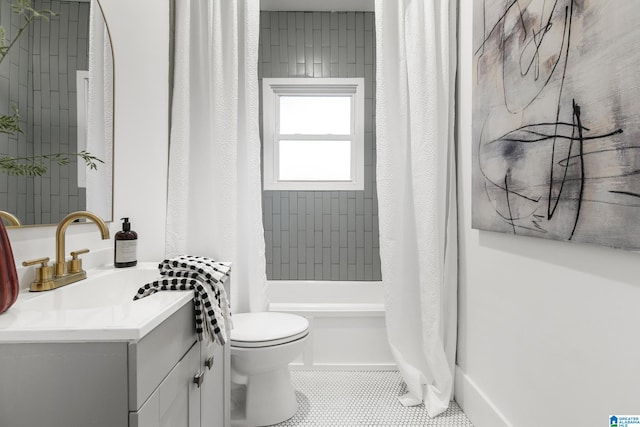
(214, 189)
(99, 126)
(416, 63)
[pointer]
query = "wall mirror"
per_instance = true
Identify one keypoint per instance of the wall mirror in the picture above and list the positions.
(60, 76)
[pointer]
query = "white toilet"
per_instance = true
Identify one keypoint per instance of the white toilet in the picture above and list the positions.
(262, 346)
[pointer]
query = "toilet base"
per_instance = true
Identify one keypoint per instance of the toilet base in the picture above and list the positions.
(269, 397)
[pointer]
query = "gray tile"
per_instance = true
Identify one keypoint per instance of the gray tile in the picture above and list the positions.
(318, 247)
(326, 263)
(326, 30)
(277, 264)
(318, 272)
(310, 268)
(291, 26)
(368, 214)
(334, 20)
(284, 46)
(282, 20)
(359, 263)
(360, 231)
(293, 267)
(317, 46)
(310, 230)
(351, 247)
(351, 46)
(265, 19)
(321, 45)
(342, 30)
(344, 220)
(275, 195)
(277, 231)
(284, 272)
(351, 215)
(335, 272)
(342, 61)
(335, 247)
(334, 46)
(293, 229)
(344, 270)
(299, 20)
(302, 248)
(351, 272)
(369, 21)
(300, 46)
(317, 70)
(308, 29)
(326, 231)
(317, 20)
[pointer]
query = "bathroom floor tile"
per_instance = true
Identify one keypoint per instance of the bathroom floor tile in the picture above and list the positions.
(361, 398)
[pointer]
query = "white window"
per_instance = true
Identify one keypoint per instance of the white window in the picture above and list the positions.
(313, 132)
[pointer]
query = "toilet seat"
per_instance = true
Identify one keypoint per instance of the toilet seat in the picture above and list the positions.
(265, 329)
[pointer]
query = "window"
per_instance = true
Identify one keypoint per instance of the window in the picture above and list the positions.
(313, 133)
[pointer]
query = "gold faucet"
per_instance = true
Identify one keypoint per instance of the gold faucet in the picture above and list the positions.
(63, 273)
(12, 219)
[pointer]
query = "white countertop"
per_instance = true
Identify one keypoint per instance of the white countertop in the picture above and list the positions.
(100, 308)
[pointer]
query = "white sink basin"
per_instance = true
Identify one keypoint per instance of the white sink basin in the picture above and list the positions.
(102, 288)
(98, 308)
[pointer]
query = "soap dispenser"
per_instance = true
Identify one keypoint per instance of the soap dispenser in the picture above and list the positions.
(125, 246)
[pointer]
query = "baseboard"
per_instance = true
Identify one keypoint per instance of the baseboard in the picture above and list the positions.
(342, 367)
(475, 404)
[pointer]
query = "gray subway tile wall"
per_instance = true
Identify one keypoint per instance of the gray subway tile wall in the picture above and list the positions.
(322, 235)
(51, 51)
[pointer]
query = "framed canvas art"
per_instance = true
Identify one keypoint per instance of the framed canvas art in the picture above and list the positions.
(556, 120)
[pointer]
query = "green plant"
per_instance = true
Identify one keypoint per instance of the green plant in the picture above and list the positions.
(10, 123)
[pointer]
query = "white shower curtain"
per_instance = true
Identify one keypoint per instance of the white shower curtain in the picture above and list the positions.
(99, 126)
(214, 192)
(416, 63)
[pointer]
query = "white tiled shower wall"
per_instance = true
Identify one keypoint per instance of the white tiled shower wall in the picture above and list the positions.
(322, 235)
(46, 97)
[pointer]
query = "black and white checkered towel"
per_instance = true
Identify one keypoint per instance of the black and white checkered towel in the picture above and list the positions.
(206, 277)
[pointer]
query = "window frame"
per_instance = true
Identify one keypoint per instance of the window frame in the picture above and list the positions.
(272, 89)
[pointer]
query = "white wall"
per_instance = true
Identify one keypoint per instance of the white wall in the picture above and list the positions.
(548, 331)
(141, 140)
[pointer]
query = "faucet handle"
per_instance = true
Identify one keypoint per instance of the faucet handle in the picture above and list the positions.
(43, 280)
(42, 261)
(75, 265)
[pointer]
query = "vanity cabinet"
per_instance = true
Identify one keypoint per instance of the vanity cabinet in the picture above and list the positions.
(166, 379)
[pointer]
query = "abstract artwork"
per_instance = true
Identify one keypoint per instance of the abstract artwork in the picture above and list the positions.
(556, 120)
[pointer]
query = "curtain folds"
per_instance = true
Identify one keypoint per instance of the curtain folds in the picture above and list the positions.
(99, 137)
(214, 189)
(416, 64)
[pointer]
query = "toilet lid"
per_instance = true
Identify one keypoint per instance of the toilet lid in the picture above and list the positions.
(267, 329)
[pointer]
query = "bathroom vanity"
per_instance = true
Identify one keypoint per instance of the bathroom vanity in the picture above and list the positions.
(86, 355)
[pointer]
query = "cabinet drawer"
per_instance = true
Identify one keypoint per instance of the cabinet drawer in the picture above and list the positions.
(176, 401)
(151, 358)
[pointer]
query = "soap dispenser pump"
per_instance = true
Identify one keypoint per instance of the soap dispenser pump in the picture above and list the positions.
(125, 246)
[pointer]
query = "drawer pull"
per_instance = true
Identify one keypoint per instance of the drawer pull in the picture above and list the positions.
(198, 379)
(209, 362)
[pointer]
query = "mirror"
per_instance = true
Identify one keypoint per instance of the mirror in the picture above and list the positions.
(59, 74)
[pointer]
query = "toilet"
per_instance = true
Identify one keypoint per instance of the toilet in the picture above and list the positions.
(262, 346)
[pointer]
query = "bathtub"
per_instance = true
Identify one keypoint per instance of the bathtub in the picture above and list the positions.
(346, 321)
